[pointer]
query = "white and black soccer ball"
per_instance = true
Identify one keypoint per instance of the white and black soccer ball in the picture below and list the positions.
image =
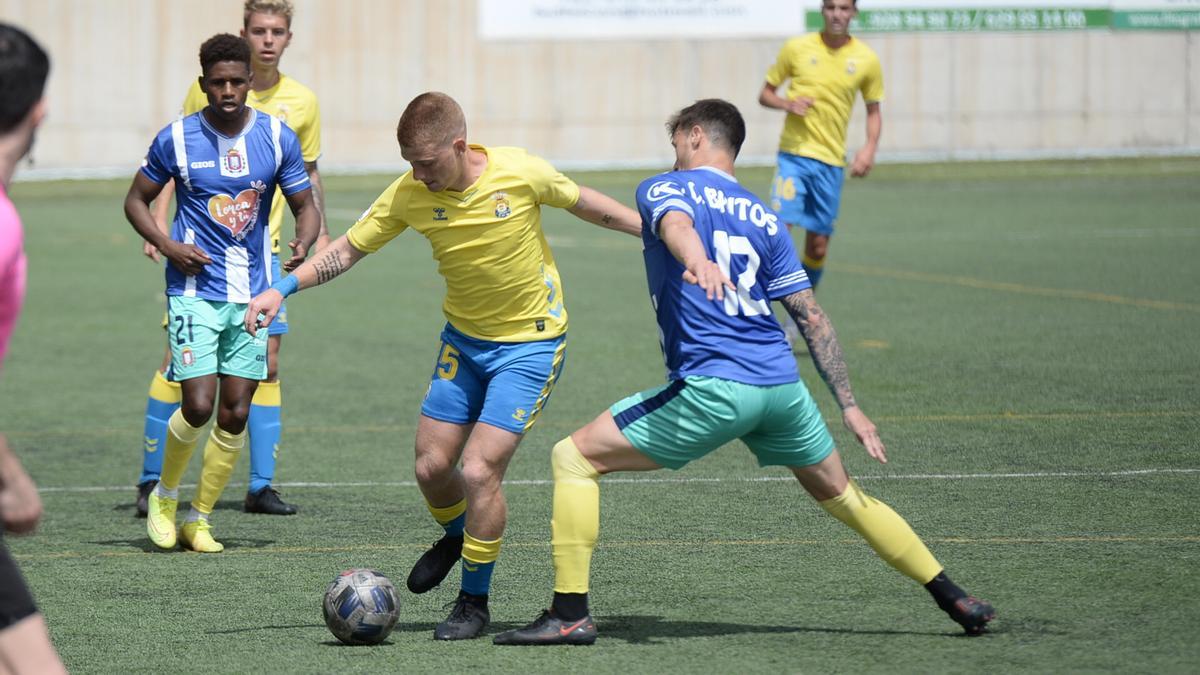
(361, 607)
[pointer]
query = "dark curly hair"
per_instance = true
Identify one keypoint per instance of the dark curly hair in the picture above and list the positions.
(24, 67)
(719, 119)
(223, 47)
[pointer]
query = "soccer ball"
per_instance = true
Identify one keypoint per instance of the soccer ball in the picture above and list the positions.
(361, 607)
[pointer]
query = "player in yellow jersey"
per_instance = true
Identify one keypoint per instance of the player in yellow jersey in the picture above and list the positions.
(503, 344)
(824, 71)
(267, 27)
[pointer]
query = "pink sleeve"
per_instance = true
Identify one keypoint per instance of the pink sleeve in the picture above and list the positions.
(12, 271)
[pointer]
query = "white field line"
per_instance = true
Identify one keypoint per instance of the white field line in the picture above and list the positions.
(684, 480)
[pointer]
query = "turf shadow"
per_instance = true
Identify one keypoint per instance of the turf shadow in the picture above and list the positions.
(143, 544)
(643, 629)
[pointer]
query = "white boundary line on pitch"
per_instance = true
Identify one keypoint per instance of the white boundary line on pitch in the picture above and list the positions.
(634, 481)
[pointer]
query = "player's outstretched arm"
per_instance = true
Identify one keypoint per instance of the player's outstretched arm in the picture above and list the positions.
(677, 232)
(827, 356)
(600, 209)
(308, 226)
(330, 263)
(187, 258)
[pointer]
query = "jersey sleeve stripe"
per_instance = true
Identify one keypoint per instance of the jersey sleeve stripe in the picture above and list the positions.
(787, 280)
(672, 204)
(181, 159)
(276, 130)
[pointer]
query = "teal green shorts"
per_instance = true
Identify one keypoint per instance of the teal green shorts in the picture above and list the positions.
(687, 419)
(208, 337)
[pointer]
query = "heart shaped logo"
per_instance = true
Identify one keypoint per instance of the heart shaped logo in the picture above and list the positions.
(234, 213)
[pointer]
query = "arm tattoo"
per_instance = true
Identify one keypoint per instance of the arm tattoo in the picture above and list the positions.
(329, 266)
(822, 344)
(605, 219)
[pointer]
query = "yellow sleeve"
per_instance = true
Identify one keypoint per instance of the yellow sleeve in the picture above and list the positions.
(195, 100)
(872, 82)
(382, 222)
(310, 134)
(552, 188)
(781, 70)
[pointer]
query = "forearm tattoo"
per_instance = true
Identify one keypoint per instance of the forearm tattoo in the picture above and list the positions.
(328, 266)
(822, 344)
(606, 219)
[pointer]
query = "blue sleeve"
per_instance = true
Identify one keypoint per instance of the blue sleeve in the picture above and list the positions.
(658, 196)
(783, 274)
(292, 177)
(159, 164)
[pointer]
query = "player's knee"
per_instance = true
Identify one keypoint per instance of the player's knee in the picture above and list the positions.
(568, 463)
(197, 413)
(480, 475)
(432, 468)
(232, 416)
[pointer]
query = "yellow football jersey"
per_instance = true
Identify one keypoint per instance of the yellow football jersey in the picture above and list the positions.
(832, 78)
(296, 106)
(501, 281)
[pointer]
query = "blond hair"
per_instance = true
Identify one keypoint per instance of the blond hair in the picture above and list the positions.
(433, 118)
(280, 7)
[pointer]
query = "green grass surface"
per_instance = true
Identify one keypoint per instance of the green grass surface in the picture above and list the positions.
(1024, 335)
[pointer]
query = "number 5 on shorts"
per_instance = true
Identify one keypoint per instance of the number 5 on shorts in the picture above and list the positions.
(447, 366)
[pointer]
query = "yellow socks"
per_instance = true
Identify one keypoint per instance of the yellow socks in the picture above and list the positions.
(220, 455)
(181, 441)
(885, 531)
(575, 525)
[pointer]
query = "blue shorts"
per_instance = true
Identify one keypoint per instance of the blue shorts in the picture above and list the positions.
(686, 419)
(280, 325)
(807, 192)
(504, 384)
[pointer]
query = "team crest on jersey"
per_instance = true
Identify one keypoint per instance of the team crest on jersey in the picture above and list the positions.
(186, 357)
(234, 164)
(503, 210)
(282, 115)
(239, 213)
(850, 67)
(519, 414)
(813, 60)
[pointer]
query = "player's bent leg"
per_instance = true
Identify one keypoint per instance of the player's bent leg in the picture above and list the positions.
(816, 247)
(265, 423)
(891, 537)
(182, 435)
(438, 446)
(25, 647)
(578, 462)
(485, 458)
(161, 402)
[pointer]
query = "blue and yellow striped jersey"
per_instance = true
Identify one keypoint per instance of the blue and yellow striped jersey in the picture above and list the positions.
(291, 103)
(501, 280)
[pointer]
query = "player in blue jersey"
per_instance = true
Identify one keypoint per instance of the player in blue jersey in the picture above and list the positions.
(731, 376)
(226, 162)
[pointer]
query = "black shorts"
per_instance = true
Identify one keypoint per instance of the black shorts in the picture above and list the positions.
(16, 603)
